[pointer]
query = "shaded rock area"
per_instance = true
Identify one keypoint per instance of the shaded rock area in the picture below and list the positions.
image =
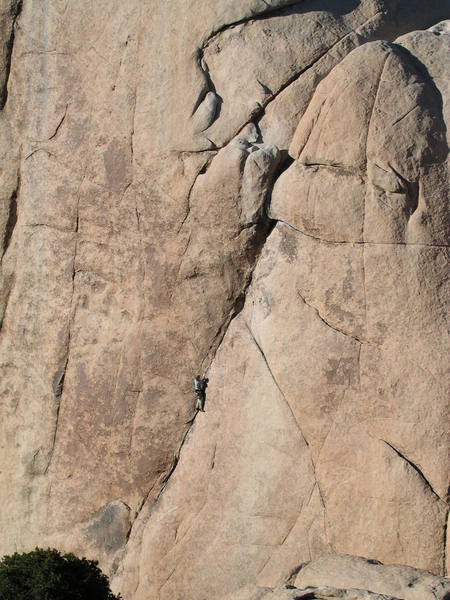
(253, 190)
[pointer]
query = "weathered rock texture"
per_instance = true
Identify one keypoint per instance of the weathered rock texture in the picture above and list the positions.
(353, 578)
(351, 572)
(253, 189)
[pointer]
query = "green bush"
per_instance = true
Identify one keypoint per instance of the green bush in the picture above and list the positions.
(48, 575)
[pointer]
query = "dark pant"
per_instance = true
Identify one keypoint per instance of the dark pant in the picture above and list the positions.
(201, 397)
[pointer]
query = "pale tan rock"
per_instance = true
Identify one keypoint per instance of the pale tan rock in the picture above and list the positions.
(349, 577)
(9, 12)
(128, 243)
(354, 572)
(340, 220)
(344, 330)
(235, 504)
(388, 270)
(258, 178)
(109, 234)
(310, 593)
(292, 50)
(205, 113)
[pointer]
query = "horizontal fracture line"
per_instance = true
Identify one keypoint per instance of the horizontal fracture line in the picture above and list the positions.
(359, 243)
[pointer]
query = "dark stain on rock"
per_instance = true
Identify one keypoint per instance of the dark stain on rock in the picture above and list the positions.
(347, 284)
(109, 526)
(115, 166)
(341, 371)
(35, 463)
(288, 245)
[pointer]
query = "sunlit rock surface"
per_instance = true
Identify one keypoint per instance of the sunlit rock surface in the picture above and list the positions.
(249, 189)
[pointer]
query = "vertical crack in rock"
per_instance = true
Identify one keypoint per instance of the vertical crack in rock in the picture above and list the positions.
(59, 378)
(363, 238)
(176, 458)
(5, 305)
(445, 542)
(359, 368)
(138, 511)
(12, 220)
(133, 119)
(15, 10)
(414, 467)
(239, 302)
(217, 341)
(7, 237)
(58, 388)
(264, 227)
(203, 169)
(213, 459)
(58, 126)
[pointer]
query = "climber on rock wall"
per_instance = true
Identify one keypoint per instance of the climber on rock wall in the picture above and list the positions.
(200, 385)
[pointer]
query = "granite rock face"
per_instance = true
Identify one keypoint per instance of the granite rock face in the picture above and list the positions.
(257, 190)
(357, 573)
(326, 431)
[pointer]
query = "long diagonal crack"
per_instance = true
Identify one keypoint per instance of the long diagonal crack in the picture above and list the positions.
(264, 229)
(209, 357)
(58, 382)
(263, 356)
(260, 111)
(328, 324)
(12, 220)
(216, 32)
(414, 467)
(239, 303)
(10, 226)
(202, 170)
(302, 435)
